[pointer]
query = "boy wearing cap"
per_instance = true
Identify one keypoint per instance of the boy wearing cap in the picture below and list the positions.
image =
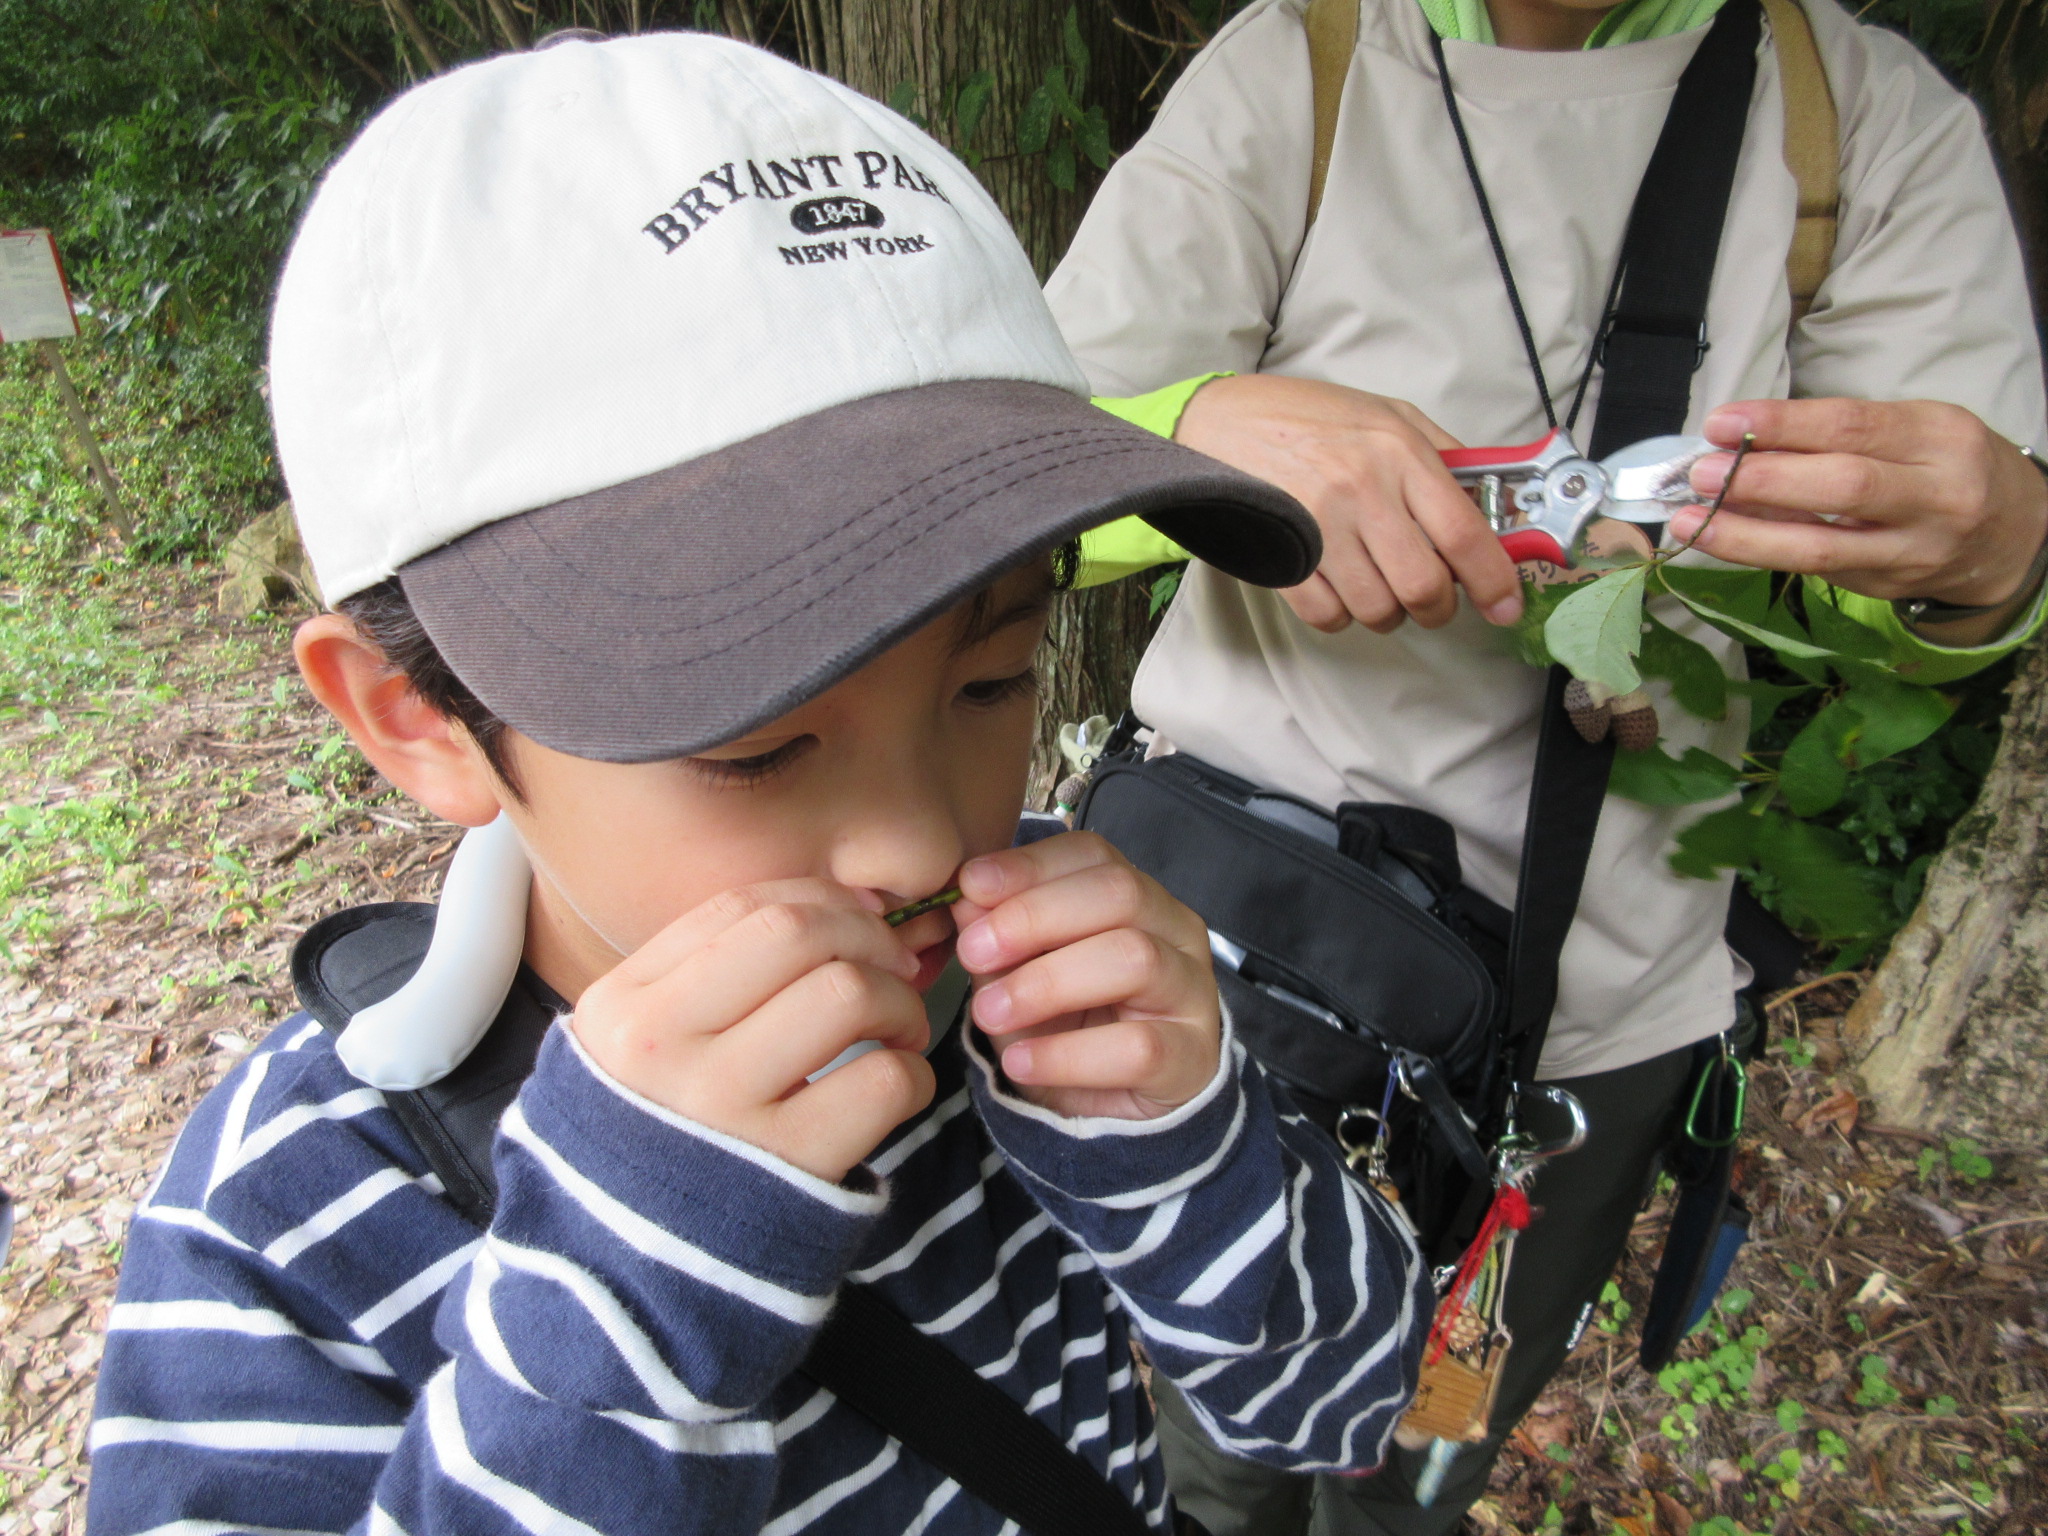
(686, 448)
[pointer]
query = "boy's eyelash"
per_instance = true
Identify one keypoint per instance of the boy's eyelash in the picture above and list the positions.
(739, 772)
(1000, 690)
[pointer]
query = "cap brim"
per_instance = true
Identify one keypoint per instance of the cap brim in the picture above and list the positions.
(660, 617)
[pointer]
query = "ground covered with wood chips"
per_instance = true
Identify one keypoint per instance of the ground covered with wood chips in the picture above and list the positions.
(174, 811)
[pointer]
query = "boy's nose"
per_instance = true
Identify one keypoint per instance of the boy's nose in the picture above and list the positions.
(903, 844)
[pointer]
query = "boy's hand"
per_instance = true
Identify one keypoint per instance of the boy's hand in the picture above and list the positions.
(1092, 981)
(724, 1013)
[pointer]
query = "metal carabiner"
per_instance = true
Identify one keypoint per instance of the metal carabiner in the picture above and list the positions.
(1526, 1148)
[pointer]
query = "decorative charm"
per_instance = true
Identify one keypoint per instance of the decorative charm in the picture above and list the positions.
(1635, 722)
(1590, 715)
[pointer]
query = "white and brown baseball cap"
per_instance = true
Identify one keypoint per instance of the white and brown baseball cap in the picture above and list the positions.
(675, 383)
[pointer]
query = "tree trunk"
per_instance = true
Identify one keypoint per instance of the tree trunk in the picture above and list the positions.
(1951, 1034)
(877, 46)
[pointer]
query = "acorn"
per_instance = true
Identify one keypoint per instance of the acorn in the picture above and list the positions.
(1068, 796)
(1590, 715)
(1635, 722)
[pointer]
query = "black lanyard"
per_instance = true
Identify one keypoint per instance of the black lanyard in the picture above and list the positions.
(1652, 331)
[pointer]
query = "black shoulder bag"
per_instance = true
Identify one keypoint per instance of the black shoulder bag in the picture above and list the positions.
(867, 1353)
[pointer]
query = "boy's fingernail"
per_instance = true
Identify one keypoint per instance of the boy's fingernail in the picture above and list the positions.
(982, 880)
(1506, 611)
(1709, 475)
(992, 1007)
(1685, 524)
(976, 945)
(1017, 1061)
(872, 900)
(1727, 426)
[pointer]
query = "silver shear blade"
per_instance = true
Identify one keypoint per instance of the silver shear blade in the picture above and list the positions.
(1650, 480)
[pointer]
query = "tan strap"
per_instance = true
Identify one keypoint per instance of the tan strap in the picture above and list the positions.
(1332, 27)
(1813, 150)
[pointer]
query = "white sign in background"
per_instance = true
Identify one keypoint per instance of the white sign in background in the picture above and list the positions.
(34, 305)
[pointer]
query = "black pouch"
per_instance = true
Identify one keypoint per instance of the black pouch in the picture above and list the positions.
(1357, 969)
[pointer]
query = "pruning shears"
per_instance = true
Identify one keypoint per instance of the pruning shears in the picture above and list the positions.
(1540, 496)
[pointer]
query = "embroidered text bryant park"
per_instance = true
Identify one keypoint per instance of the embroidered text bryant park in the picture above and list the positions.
(773, 180)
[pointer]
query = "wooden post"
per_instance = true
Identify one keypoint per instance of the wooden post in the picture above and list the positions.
(117, 512)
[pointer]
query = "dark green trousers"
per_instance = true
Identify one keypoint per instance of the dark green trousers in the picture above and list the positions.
(1588, 1201)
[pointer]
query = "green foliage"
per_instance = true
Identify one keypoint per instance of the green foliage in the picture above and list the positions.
(1874, 1387)
(1853, 771)
(1597, 630)
(1053, 122)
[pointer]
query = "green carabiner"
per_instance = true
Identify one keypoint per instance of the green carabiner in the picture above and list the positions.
(1727, 1063)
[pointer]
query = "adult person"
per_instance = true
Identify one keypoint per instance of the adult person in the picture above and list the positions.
(1888, 419)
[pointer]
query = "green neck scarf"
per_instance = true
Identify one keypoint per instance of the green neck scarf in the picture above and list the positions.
(1633, 21)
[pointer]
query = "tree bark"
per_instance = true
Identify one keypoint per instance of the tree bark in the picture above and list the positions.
(1951, 1035)
(1096, 636)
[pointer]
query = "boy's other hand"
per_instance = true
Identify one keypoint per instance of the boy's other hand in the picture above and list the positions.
(722, 1016)
(1092, 981)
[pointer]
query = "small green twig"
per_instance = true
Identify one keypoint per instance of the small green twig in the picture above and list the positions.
(1741, 452)
(918, 908)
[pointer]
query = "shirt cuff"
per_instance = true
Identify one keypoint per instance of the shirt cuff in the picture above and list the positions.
(1923, 660)
(1129, 545)
(632, 1164)
(1108, 1161)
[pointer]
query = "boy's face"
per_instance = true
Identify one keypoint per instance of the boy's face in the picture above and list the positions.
(886, 783)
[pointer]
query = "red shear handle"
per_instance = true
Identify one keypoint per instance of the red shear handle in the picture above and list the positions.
(1505, 459)
(1533, 544)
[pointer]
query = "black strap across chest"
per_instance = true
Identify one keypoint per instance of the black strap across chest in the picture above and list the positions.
(1648, 352)
(867, 1354)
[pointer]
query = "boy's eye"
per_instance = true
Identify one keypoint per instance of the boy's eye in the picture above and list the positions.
(1000, 690)
(740, 771)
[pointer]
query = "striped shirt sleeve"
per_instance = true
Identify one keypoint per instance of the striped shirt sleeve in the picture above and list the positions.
(607, 1348)
(1277, 1291)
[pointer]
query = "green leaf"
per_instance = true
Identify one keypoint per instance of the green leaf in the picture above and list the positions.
(1823, 886)
(1745, 594)
(1765, 698)
(904, 98)
(1657, 778)
(1062, 99)
(972, 101)
(1034, 123)
(1538, 604)
(1719, 840)
(1896, 716)
(1076, 48)
(1785, 622)
(1093, 136)
(1059, 165)
(1596, 631)
(1812, 774)
(1844, 635)
(1697, 681)
(1786, 644)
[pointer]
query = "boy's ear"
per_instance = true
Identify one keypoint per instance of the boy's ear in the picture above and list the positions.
(423, 752)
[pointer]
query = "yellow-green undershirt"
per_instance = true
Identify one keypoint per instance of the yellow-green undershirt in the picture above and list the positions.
(1634, 21)
(1123, 548)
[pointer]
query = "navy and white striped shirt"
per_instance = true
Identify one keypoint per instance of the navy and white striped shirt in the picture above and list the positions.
(310, 1338)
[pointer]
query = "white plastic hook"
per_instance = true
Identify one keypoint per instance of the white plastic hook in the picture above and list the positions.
(422, 1032)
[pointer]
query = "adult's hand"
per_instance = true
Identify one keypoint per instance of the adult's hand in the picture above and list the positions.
(1399, 536)
(1890, 499)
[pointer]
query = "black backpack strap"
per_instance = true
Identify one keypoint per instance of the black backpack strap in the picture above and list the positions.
(867, 1354)
(1648, 356)
(1565, 796)
(971, 1430)
(1658, 334)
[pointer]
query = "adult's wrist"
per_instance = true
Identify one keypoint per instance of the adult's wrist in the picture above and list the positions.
(1978, 609)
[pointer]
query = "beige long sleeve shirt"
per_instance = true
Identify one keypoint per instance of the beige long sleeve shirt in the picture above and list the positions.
(1193, 259)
